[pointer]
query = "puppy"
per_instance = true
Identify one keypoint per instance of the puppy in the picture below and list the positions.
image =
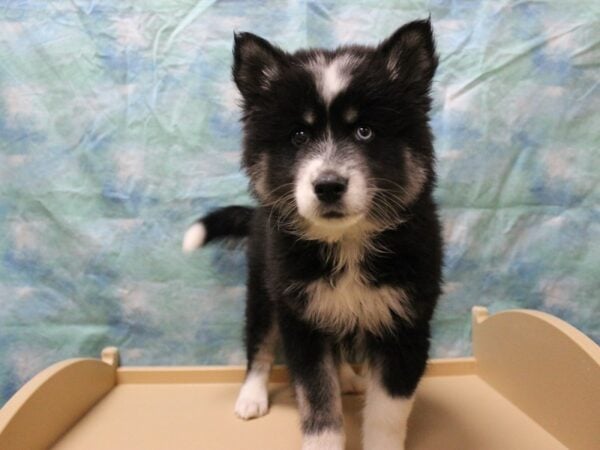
(344, 249)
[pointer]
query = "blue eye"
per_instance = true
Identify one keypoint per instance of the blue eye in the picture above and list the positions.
(300, 138)
(363, 134)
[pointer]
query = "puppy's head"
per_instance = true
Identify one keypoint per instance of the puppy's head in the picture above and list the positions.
(338, 141)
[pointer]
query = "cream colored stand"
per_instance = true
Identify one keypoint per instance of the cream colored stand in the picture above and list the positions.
(533, 383)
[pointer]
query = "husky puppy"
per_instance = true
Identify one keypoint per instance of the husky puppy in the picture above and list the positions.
(344, 249)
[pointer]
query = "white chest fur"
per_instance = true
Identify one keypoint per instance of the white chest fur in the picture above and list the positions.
(352, 303)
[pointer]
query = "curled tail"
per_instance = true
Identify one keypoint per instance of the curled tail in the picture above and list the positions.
(231, 221)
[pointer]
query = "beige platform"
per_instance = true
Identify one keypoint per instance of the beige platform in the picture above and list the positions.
(533, 384)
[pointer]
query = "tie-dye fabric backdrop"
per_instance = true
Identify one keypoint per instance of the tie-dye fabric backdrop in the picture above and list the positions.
(119, 126)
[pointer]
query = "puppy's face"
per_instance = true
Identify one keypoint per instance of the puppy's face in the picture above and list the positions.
(338, 141)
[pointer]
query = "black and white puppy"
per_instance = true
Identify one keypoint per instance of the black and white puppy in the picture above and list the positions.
(344, 252)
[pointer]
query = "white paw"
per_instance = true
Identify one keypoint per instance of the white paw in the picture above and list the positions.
(253, 400)
(248, 408)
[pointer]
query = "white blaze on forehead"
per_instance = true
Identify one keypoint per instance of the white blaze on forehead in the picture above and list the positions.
(333, 76)
(333, 81)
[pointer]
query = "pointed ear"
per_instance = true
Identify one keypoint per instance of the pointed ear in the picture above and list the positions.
(410, 52)
(256, 63)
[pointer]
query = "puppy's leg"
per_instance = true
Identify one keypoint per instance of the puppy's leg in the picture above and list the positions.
(253, 399)
(396, 366)
(312, 365)
(261, 340)
(385, 416)
(320, 404)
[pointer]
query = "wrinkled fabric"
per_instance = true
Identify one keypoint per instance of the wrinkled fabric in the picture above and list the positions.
(119, 126)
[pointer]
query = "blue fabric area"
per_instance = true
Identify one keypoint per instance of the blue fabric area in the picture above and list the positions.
(119, 126)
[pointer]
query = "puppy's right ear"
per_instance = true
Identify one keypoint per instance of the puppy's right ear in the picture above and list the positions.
(410, 52)
(256, 63)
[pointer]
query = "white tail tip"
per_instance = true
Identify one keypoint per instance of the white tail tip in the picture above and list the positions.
(194, 237)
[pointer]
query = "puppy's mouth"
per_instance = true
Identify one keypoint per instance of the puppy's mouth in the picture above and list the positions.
(333, 215)
(331, 196)
(335, 218)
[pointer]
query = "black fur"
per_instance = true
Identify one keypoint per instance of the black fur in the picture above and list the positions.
(389, 87)
(232, 221)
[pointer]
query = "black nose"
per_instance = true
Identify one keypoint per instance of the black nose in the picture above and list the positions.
(330, 187)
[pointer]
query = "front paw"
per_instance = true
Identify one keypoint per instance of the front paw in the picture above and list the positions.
(252, 403)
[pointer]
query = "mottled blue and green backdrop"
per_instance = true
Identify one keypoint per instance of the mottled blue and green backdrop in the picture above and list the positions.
(119, 126)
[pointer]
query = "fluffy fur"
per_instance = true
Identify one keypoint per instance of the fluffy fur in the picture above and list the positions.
(344, 249)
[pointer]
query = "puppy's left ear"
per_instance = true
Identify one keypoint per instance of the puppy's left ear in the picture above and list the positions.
(410, 52)
(256, 63)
